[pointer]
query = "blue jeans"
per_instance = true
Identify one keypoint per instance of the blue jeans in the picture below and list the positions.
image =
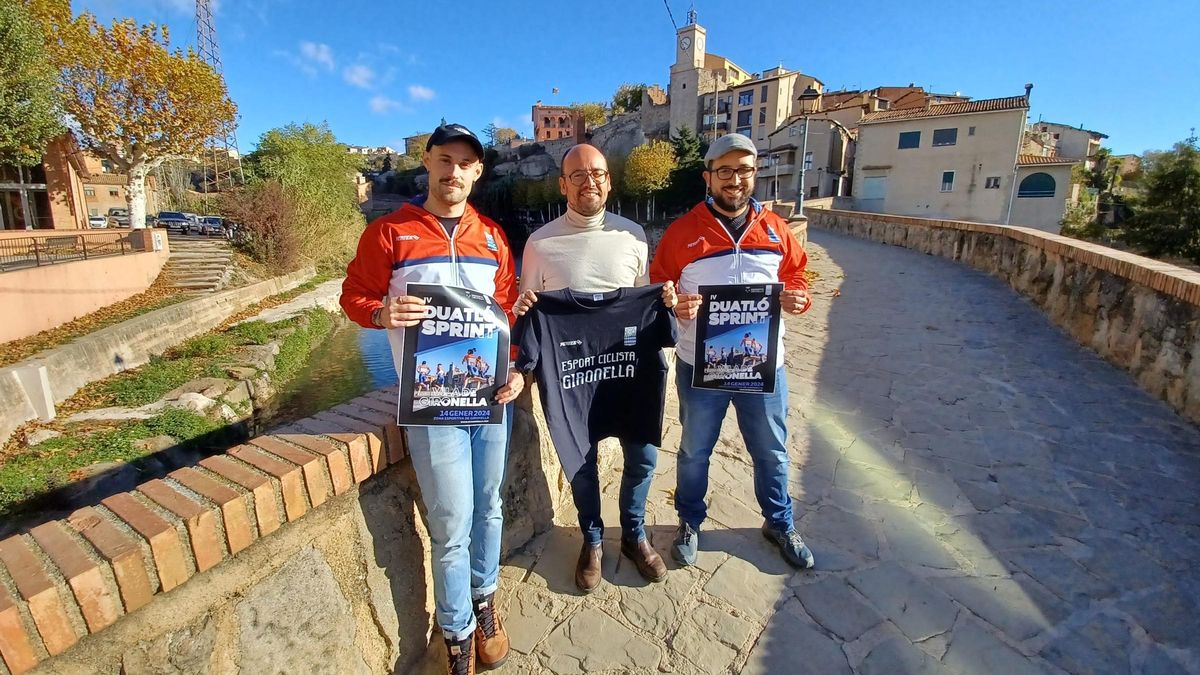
(762, 420)
(640, 460)
(460, 471)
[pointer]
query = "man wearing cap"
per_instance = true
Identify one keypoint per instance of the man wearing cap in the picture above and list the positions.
(441, 239)
(591, 250)
(730, 239)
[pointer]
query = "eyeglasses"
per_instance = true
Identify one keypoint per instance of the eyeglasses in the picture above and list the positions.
(743, 172)
(581, 177)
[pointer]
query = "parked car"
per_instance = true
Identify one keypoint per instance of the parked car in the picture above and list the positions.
(118, 216)
(212, 226)
(193, 225)
(174, 221)
(97, 222)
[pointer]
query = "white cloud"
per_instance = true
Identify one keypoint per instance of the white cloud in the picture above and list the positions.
(419, 93)
(359, 75)
(318, 53)
(382, 105)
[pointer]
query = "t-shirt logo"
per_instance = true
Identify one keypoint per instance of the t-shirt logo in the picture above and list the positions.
(491, 242)
(630, 336)
(774, 238)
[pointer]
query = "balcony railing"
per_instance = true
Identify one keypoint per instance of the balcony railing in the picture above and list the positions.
(59, 247)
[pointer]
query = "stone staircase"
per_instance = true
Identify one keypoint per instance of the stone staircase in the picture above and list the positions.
(198, 264)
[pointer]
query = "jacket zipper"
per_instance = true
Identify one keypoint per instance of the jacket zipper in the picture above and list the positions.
(737, 243)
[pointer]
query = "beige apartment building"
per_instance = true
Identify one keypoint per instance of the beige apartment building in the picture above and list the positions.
(962, 160)
(827, 160)
(713, 96)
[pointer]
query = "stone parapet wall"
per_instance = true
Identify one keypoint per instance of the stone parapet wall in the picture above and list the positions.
(1138, 313)
(114, 349)
(300, 551)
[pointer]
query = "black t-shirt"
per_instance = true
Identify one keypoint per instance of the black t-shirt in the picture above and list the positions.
(599, 365)
(735, 224)
(449, 224)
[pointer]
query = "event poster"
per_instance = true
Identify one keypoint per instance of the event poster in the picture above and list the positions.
(737, 338)
(454, 359)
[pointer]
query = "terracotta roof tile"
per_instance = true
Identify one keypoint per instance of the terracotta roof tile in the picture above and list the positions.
(941, 109)
(1025, 160)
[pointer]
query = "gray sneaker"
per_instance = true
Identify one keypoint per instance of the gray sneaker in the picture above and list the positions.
(687, 541)
(794, 551)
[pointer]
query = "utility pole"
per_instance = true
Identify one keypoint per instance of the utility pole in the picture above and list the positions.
(221, 156)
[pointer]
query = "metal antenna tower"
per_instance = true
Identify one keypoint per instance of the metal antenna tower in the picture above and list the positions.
(221, 160)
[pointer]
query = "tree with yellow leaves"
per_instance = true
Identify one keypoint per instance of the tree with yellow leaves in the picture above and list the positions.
(135, 101)
(648, 170)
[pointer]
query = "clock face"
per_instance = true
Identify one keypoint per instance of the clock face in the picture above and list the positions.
(686, 42)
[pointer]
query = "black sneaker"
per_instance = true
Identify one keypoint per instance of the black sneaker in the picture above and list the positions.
(687, 542)
(461, 656)
(791, 546)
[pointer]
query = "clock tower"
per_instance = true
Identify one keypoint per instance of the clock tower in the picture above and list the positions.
(685, 75)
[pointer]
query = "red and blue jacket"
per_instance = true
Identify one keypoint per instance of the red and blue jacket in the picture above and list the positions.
(697, 250)
(410, 245)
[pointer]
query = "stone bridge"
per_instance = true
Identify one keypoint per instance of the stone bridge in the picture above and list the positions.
(982, 494)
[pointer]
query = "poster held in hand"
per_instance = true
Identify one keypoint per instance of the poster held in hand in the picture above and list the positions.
(454, 359)
(737, 338)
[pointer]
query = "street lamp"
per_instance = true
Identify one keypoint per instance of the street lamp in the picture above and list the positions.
(808, 105)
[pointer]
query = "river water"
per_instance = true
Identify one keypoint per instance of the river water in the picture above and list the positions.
(350, 362)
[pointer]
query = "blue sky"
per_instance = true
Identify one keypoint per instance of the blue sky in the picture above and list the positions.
(378, 72)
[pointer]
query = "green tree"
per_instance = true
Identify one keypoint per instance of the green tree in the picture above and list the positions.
(593, 114)
(417, 147)
(628, 98)
(30, 107)
(686, 185)
(648, 170)
(687, 147)
(317, 174)
(137, 103)
(1166, 217)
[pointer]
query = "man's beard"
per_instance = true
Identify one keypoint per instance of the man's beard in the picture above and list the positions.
(732, 206)
(450, 194)
(591, 207)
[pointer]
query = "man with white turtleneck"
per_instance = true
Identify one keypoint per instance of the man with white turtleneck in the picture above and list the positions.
(593, 250)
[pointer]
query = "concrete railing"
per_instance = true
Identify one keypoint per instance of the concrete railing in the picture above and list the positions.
(299, 551)
(1140, 314)
(29, 389)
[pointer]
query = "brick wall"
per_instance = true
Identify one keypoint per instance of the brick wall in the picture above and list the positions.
(301, 547)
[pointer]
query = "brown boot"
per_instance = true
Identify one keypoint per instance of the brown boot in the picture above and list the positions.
(587, 571)
(491, 640)
(649, 563)
(461, 656)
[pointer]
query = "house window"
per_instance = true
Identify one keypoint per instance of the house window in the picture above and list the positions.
(743, 118)
(947, 181)
(808, 157)
(970, 131)
(113, 193)
(814, 191)
(762, 115)
(106, 166)
(89, 192)
(762, 130)
(874, 187)
(945, 137)
(991, 182)
(745, 131)
(746, 97)
(909, 140)
(1036, 185)
(793, 131)
(763, 96)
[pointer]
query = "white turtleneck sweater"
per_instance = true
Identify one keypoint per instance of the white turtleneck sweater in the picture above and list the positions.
(585, 253)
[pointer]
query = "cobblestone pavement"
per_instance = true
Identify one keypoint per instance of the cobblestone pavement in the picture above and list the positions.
(982, 496)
